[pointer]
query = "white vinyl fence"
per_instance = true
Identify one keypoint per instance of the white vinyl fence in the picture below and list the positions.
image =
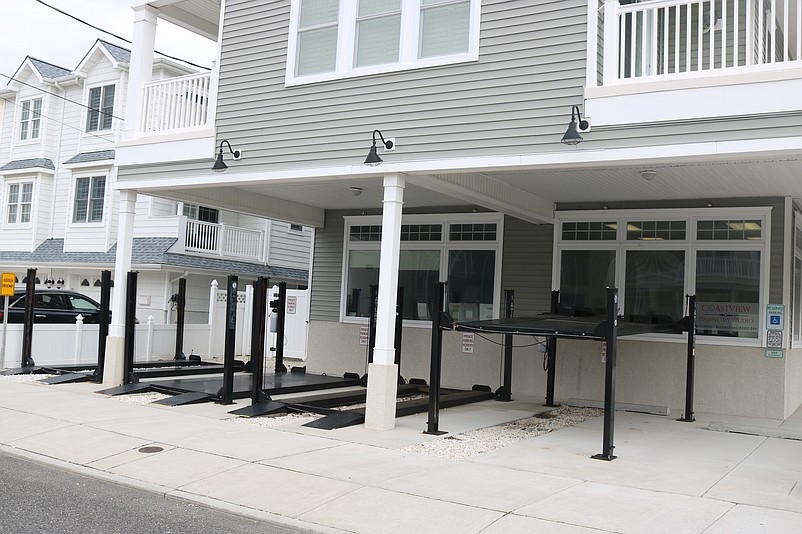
(76, 344)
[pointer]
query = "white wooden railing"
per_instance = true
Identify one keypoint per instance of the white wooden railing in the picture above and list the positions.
(176, 103)
(663, 39)
(223, 240)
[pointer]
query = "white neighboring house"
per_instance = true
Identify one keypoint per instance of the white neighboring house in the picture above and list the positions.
(60, 209)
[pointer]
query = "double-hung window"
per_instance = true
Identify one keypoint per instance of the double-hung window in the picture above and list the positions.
(100, 108)
(20, 198)
(332, 39)
(90, 193)
(656, 258)
(30, 119)
(465, 252)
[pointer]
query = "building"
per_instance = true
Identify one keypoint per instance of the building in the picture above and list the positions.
(687, 180)
(57, 173)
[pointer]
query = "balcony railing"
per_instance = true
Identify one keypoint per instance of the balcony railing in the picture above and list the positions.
(225, 241)
(176, 103)
(667, 39)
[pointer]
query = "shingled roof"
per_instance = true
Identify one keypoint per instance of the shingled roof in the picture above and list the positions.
(121, 55)
(32, 163)
(48, 70)
(88, 157)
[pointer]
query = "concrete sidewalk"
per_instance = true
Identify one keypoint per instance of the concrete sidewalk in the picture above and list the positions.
(670, 476)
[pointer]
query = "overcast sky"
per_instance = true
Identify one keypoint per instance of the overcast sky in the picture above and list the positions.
(28, 28)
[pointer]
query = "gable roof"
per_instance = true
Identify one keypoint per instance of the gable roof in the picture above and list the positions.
(117, 55)
(48, 70)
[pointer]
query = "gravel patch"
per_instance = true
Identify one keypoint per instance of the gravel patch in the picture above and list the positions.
(475, 442)
(271, 421)
(140, 398)
(30, 377)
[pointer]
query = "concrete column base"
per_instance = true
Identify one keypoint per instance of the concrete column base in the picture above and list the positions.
(114, 367)
(382, 390)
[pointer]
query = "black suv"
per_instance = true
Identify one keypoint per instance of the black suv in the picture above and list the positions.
(53, 306)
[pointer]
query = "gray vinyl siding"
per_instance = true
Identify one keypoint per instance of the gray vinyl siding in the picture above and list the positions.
(326, 287)
(530, 71)
(777, 245)
(526, 265)
(289, 248)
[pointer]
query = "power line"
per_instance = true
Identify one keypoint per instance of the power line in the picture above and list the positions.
(10, 78)
(115, 35)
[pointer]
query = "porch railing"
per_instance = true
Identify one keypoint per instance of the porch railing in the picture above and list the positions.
(223, 240)
(664, 39)
(176, 103)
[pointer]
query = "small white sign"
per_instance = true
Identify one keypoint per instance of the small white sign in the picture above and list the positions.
(774, 354)
(364, 335)
(604, 352)
(775, 316)
(292, 304)
(468, 340)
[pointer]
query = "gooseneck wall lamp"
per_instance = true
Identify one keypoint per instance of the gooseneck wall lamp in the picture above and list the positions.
(219, 164)
(373, 158)
(572, 136)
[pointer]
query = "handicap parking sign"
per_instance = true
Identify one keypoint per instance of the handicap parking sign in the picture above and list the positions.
(775, 314)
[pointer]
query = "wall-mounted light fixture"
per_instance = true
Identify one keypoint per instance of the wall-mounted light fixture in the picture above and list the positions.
(49, 282)
(219, 164)
(572, 136)
(373, 158)
(647, 174)
(59, 283)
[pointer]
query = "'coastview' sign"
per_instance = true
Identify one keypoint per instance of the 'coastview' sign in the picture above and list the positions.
(741, 317)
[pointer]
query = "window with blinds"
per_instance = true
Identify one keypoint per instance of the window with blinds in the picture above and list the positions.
(332, 39)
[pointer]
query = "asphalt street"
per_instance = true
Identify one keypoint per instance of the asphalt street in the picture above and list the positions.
(43, 499)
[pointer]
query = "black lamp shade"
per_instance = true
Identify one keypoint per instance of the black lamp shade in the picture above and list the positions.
(373, 158)
(572, 136)
(219, 164)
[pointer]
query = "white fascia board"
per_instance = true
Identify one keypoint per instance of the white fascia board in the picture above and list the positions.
(153, 150)
(29, 170)
(686, 104)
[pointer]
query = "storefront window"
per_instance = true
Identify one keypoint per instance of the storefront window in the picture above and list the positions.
(470, 284)
(728, 293)
(584, 275)
(654, 288)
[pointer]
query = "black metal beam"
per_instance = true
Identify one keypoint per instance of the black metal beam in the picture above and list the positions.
(227, 391)
(551, 353)
(130, 320)
(280, 327)
(611, 340)
(179, 325)
(27, 333)
(505, 391)
(688, 416)
(103, 331)
(399, 331)
(433, 424)
(258, 328)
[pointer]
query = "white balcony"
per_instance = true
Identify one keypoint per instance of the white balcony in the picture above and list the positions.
(677, 50)
(176, 104)
(225, 241)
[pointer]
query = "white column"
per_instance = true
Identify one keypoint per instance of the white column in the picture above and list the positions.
(114, 371)
(140, 70)
(383, 373)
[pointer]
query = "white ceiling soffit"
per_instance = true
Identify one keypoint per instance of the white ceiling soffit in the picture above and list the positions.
(198, 16)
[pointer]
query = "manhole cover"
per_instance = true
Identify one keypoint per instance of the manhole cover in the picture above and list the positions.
(148, 450)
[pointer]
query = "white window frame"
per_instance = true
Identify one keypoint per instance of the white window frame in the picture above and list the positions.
(19, 203)
(106, 190)
(690, 245)
(444, 245)
(408, 48)
(102, 87)
(795, 315)
(29, 121)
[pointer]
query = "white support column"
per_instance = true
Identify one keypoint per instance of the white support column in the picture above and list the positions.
(383, 373)
(114, 370)
(140, 70)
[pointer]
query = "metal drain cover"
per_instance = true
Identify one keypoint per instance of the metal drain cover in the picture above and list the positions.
(148, 450)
